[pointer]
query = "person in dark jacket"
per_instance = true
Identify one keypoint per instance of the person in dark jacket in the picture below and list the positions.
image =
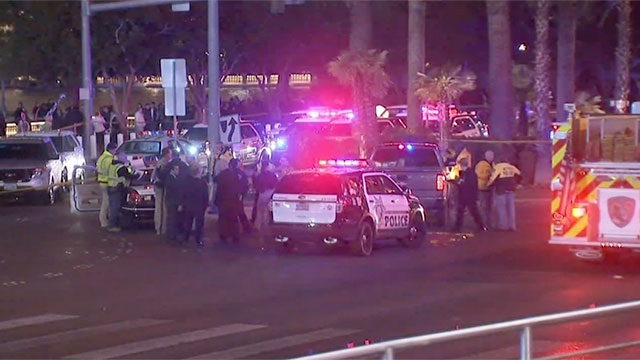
(174, 199)
(265, 184)
(196, 201)
(158, 177)
(467, 196)
(228, 200)
(3, 125)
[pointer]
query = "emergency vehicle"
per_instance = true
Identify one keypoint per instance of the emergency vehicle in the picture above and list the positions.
(595, 209)
(344, 202)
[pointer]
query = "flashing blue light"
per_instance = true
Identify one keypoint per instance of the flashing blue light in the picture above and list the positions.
(409, 147)
(550, 134)
(281, 143)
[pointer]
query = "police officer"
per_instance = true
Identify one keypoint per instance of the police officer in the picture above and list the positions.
(504, 179)
(119, 173)
(484, 170)
(104, 162)
(467, 195)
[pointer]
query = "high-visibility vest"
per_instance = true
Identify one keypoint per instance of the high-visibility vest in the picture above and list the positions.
(114, 180)
(103, 164)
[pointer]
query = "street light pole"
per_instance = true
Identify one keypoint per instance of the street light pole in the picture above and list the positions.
(213, 104)
(87, 82)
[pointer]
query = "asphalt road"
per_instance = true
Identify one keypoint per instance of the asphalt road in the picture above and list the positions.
(69, 289)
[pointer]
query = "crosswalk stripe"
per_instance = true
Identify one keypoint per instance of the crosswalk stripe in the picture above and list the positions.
(164, 342)
(276, 344)
(77, 334)
(33, 320)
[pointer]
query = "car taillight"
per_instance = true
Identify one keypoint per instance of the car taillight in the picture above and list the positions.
(440, 182)
(37, 172)
(133, 197)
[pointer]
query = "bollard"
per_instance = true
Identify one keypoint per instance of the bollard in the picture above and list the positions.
(94, 147)
(120, 139)
(132, 136)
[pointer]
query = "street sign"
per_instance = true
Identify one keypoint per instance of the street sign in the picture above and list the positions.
(167, 72)
(230, 129)
(177, 94)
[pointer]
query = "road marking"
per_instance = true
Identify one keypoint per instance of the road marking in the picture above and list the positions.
(276, 344)
(77, 334)
(164, 342)
(33, 320)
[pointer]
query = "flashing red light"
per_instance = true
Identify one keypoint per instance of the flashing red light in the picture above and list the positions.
(134, 197)
(367, 342)
(351, 345)
(440, 182)
(343, 163)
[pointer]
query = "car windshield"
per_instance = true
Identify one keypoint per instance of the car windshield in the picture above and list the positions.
(407, 157)
(62, 144)
(23, 151)
(197, 134)
(142, 147)
(310, 183)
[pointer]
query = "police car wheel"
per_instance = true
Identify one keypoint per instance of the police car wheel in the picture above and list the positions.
(417, 234)
(49, 195)
(363, 244)
(64, 178)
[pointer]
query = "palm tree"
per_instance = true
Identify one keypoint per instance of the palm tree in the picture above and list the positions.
(363, 72)
(500, 89)
(542, 80)
(623, 55)
(361, 31)
(566, 58)
(415, 56)
(443, 86)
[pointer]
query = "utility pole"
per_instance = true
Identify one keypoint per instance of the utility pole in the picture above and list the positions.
(213, 104)
(87, 78)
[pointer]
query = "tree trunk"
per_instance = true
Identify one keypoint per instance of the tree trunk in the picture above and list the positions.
(415, 56)
(542, 82)
(623, 55)
(501, 116)
(565, 85)
(360, 39)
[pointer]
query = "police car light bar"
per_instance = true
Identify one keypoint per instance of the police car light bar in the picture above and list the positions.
(343, 163)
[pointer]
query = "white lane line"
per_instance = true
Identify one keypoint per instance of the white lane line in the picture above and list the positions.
(33, 320)
(276, 344)
(77, 334)
(164, 342)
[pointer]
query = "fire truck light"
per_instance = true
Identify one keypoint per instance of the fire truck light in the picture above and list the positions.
(313, 114)
(578, 212)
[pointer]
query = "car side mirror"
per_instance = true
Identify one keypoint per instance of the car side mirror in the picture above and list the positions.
(407, 191)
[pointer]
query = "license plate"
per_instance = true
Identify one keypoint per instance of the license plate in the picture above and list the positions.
(10, 186)
(147, 198)
(302, 207)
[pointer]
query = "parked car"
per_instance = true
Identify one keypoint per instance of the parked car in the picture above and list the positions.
(31, 166)
(250, 149)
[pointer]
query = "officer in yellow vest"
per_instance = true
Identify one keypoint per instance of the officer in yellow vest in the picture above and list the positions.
(104, 162)
(505, 181)
(119, 173)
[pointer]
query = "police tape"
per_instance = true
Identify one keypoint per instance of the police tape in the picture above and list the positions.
(482, 141)
(34, 188)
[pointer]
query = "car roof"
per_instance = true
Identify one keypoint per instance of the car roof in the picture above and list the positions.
(24, 139)
(46, 133)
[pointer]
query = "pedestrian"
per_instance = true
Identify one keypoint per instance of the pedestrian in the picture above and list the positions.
(484, 170)
(467, 195)
(244, 184)
(265, 185)
(229, 203)
(23, 124)
(3, 124)
(504, 180)
(139, 119)
(102, 166)
(158, 178)
(174, 200)
(220, 163)
(196, 200)
(119, 174)
(19, 110)
(99, 127)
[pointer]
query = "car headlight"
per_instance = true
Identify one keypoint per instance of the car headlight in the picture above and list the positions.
(193, 150)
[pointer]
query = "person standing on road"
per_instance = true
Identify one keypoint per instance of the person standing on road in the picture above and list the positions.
(196, 199)
(484, 170)
(139, 119)
(99, 127)
(119, 173)
(174, 199)
(244, 183)
(504, 178)
(102, 166)
(228, 200)
(265, 184)
(467, 195)
(23, 123)
(158, 177)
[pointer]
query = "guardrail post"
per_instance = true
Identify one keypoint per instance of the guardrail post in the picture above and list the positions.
(388, 354)
(525, 343)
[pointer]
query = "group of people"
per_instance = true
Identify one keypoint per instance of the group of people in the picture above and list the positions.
(494, 184)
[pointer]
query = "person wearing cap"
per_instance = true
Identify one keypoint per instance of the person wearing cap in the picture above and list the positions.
(102, 166)
(467, 195)
(119, 174)
(504, 179)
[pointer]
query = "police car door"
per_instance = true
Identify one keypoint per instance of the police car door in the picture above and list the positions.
(386, 202)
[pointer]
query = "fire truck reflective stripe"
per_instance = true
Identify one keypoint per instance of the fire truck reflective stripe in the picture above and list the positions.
(578, 227)
(634, 181)
(555, 204)
(556, 160)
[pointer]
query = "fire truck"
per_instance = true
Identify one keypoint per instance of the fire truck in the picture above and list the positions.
(595, 209)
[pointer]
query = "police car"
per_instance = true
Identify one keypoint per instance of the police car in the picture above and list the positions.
(344, 202)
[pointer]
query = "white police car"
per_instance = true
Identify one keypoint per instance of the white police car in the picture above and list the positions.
(344, 202)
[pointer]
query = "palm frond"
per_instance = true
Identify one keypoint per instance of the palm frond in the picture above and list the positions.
(367, 66)
(444, 84)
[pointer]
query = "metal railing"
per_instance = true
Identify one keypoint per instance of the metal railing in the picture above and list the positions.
(387, 348)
